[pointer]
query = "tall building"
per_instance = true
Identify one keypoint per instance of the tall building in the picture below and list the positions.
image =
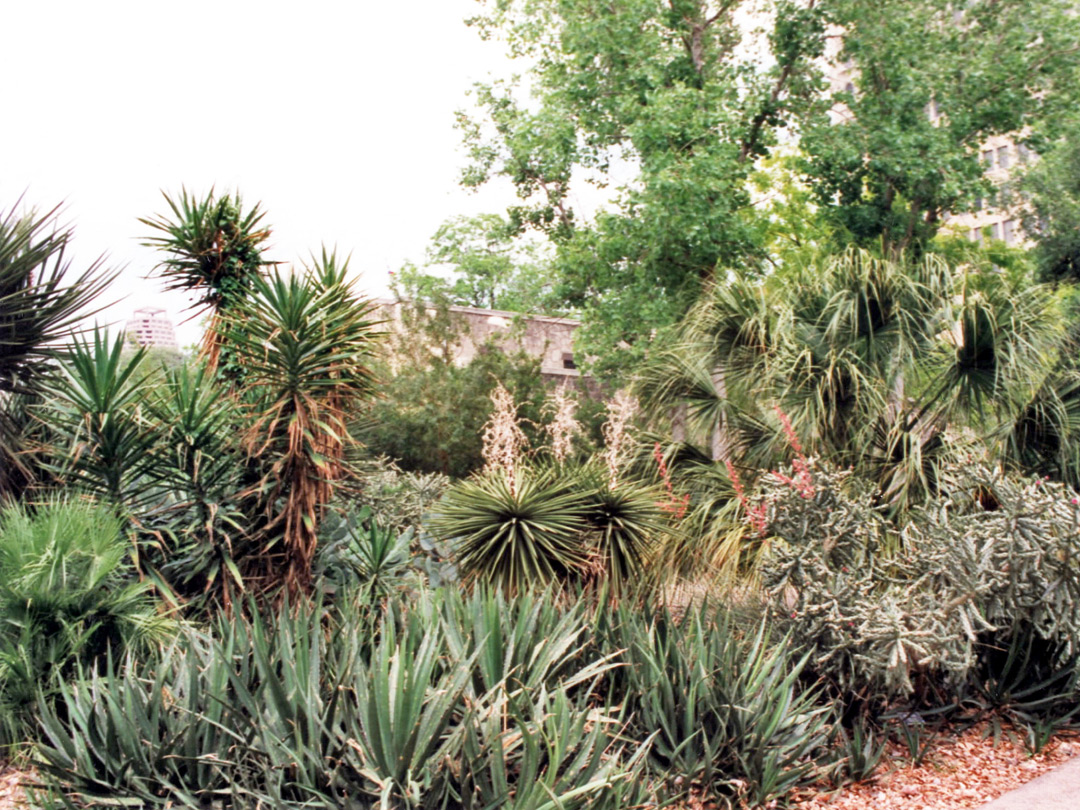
(994, 217)
(152, 328)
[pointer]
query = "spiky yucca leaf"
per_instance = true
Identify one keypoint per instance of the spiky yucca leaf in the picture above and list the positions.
(95, 407)
(305, 341)
(42, 304)
(515, 533)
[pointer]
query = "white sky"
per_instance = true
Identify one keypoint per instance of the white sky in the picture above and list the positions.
(338, 116)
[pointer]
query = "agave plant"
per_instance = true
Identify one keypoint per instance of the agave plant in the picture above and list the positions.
(729, 712)
(42, 304)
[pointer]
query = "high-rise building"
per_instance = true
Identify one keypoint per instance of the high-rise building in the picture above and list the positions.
(152, 328)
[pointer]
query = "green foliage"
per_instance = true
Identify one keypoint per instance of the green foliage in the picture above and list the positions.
(374, 557)
(411, 423)
(489, 269)
(305, 342)
(1051, 192)
(929, 83)
(726, 702)
(551, 523)
(397, 499)
(661, 101)
(96, 408)
(67, 597)
(41, 304)
(861, 749)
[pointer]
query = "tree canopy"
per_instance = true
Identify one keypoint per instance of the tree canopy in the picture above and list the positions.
(669, 107)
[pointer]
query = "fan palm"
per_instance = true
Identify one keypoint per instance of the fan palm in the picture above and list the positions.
(870, 361)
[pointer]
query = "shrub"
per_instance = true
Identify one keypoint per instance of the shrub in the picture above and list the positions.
(895, 611)
(67, 598)
(316, 709)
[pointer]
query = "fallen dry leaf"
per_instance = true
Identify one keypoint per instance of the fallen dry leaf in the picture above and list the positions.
(961, 772)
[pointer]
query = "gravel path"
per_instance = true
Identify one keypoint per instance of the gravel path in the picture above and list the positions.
(961, 772)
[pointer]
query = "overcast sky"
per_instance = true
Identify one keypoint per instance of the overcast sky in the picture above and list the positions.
(338, 116)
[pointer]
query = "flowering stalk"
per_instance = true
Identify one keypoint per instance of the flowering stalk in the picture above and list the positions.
(802, 482)
(755, 515)
(621, 410)
(564, 425)
(674, 505)
(503, 438)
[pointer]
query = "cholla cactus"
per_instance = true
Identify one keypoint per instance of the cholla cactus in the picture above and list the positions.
(998, 555)
(504, 441)
(564, 425)
(621, 409)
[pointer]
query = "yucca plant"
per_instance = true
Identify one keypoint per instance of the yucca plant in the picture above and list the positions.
(625, 523)
(214, 250)
(377, 559)
(42, 305)
(305, 341)
(96, 409)
(199, 534)
(515, 530)
(68, 597)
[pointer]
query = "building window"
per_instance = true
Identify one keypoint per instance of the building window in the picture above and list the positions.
(978, 203)
(995, 231)
(1003, 157)
(1009, 227)
(975, 235)
(988, 157)
(568, 360)
(1022, 152)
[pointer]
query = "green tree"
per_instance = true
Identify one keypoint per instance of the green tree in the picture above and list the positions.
(487, 268)
(678, 95)
(930, 81)
(1050, 192)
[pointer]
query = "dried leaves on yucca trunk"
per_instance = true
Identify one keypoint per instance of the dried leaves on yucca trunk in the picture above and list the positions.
(305, 341)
